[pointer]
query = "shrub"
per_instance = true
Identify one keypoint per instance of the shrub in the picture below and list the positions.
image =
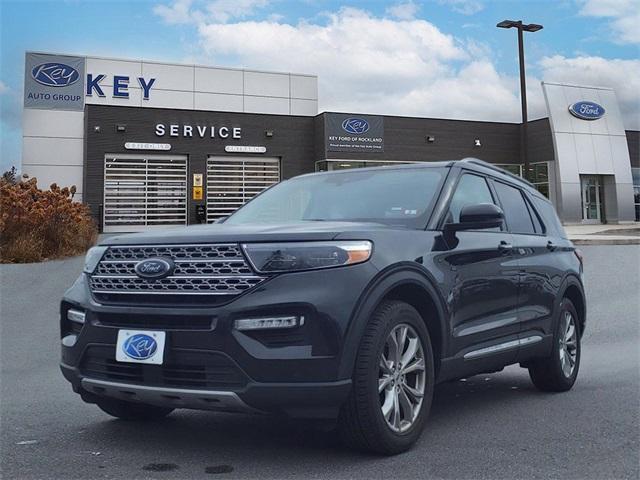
(38, 225)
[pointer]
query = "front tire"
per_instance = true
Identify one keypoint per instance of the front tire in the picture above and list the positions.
(393, 382)
(558, 372)
(132, 411)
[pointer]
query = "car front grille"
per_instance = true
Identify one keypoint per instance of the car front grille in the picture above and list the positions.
(181, 369)
(211, 269)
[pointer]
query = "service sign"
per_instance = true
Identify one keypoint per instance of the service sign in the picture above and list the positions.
(354, 133)
(54, 82)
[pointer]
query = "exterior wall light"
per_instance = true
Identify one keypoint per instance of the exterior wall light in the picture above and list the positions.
(268, 133)
(431, 139)
(121, 127)
(477, 143)
(96, 129)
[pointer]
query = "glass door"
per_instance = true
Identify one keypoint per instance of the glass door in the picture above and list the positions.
(591, 199)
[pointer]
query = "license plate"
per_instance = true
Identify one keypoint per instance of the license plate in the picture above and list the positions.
(140, 346)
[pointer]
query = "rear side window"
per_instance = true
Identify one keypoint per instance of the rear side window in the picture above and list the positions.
(471, 190)
(516, 211)
(549, 217)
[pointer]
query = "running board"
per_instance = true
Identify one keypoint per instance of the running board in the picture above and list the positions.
(500, 347)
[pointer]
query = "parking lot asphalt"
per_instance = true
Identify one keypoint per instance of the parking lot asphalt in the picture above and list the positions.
(489, 426)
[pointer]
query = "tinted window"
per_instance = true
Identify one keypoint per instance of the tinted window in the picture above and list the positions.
(471, 190)
(535, 216)
(515, 209)
(549, 217)
(393, 196)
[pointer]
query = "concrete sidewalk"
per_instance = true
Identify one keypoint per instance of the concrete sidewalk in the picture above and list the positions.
(625, 234)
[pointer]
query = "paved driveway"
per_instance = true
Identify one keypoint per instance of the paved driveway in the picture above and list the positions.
(490, 426)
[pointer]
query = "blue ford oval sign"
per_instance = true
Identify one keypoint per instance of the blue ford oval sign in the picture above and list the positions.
(154, 268)
(356, 126)
(140, 346)
(54, 74)
(586, 110)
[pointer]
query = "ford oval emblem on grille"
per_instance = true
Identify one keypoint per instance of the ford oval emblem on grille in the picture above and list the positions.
(140, 346)
(55, 74)
(357, 126)
(154, 268)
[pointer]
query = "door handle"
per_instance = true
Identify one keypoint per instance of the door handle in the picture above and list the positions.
(551, 246)
(505, 247)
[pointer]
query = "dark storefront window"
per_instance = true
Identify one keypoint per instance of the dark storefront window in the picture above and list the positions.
(538, 174)
(635, 172)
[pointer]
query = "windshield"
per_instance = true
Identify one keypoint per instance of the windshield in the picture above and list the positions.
(400, 197)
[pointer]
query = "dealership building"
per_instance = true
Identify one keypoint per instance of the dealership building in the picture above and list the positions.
(151, 144)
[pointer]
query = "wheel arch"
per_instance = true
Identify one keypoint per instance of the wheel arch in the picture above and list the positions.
(409, 283)
(574, 291)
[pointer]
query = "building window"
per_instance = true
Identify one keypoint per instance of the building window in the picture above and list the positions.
(539, 174)
(330, 165)
(635, 172)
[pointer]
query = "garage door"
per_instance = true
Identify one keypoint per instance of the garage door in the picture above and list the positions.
(233, 181)
(144, 191)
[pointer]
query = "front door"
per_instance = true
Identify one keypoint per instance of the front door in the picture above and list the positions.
(591, 199)
(482, 276)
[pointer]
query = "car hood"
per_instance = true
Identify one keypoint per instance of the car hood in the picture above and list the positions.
(226, 233)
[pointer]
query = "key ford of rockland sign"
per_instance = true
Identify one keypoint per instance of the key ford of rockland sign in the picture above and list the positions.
(354, 133)
(57, 82)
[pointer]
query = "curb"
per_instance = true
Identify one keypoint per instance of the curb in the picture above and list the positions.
(605, 241)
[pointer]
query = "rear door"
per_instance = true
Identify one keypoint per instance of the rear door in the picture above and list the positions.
(482, 281)
(538, 257)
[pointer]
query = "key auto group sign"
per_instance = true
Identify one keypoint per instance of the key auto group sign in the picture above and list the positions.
(54, 82)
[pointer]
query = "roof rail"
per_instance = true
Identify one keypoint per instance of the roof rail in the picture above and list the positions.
(490, 166)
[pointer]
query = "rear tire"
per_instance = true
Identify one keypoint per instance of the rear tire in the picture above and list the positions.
(132, 411)
(389, 402)
(558, 372)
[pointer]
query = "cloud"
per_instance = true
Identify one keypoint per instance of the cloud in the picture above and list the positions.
(382, 64)
(624, 17)
(3, 88)
(188, 11)
(465, 7)
(403, 11)
(621, 75)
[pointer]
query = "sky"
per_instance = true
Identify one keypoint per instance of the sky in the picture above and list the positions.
(435, 58)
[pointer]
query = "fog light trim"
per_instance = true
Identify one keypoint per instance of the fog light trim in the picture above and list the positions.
(268, 323)
(76, 316)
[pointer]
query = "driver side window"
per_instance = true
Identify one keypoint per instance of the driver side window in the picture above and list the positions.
(471, 190)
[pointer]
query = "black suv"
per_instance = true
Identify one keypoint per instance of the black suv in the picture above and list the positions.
(345, 295)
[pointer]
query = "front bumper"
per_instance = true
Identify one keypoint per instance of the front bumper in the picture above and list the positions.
(292, 372)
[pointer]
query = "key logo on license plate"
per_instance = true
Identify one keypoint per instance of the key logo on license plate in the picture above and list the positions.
(138, 346)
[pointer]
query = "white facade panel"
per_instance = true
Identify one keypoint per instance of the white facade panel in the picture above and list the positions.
(278, 106)
(557, 106)
(585, 155)
(51, 151)
(169, 77)
(218, 102)
(266, 84)
(304, 107)
(170, 99)
(304, 87)
(52, 123)
(613, 116)
(602, 152)
(109, 68)
(62, 175)
(218, 80)
(134, 100)
(621, 160)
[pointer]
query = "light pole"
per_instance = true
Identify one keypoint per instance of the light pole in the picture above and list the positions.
(532, 27)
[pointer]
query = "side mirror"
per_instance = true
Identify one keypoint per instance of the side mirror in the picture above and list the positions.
(478, 217)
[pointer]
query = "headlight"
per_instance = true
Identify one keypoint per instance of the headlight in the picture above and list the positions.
(93, 257)
(296, 256)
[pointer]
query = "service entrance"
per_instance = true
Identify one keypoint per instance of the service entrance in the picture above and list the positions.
(592, 198)
(233, 181)
(144, 191)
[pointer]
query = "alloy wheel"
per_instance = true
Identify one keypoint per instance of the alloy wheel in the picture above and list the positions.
(568, 344)
(401, 378)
